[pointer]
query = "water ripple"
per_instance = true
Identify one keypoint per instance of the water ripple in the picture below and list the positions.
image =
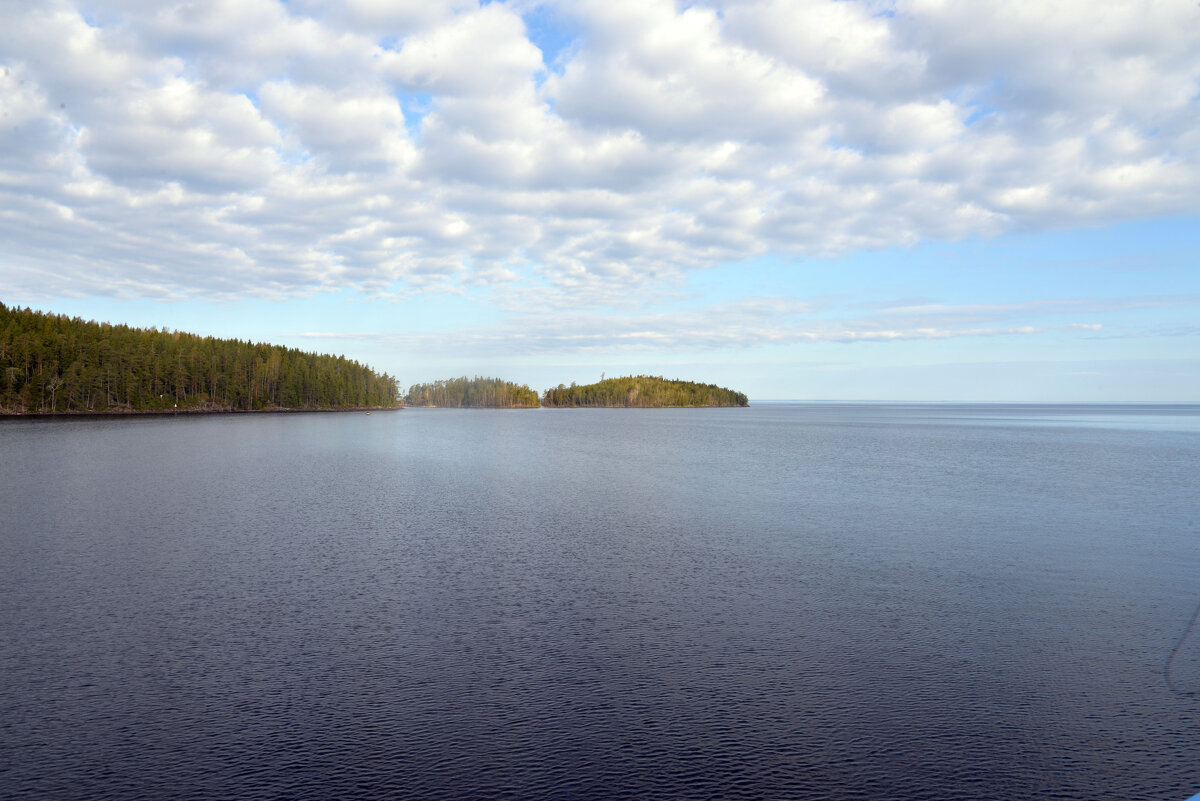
(642, 606)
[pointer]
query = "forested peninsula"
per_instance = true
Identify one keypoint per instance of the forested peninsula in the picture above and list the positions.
(462, 393)
(54, 364)
(642, 391)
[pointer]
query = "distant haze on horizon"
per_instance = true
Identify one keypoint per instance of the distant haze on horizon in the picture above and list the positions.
(798, 199)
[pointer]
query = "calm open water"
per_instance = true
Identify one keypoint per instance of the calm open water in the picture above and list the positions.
(808, 601)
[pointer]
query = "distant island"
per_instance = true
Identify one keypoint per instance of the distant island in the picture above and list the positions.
(472, 393)
(642, 391)
(54, 364)
(632, 391)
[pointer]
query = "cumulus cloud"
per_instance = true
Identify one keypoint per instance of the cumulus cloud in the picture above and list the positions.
(271, 148)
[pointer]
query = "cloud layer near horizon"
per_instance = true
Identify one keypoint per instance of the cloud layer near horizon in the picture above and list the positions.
(584, 150)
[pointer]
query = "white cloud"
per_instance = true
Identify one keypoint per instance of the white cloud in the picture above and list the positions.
(474, 53)
(848, 46)
(645, 66)
(661, 333)
(284, 148)
(748, 323)
(345, 131)
(384, 18)
(180, 132)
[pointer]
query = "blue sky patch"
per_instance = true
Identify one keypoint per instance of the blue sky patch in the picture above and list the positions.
(547, 28)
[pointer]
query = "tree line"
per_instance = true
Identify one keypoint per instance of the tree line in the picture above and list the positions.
(642, 391)
(54, 363)
(474, 392)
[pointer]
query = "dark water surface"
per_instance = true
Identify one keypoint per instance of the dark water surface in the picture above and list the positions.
(788, 601)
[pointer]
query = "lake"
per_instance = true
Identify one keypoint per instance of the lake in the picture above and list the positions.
(809, 601)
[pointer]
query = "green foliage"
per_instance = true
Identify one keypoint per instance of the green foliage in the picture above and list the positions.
(643, 391)
(54, 363)
(474, 392)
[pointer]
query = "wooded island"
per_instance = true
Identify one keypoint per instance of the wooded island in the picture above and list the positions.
(57, 364)
(643, 391)
(485, 393)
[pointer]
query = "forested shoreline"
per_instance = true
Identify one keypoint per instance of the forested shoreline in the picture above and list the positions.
(52, 364)
(477, 393)
(643, 391)
(55, 364)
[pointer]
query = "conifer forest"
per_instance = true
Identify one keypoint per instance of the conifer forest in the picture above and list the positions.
(54, 364)
(642, 391)
(491, 393)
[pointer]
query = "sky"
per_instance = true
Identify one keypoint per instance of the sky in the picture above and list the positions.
(995, 200)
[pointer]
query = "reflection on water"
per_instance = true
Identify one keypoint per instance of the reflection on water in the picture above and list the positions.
(938, 601)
